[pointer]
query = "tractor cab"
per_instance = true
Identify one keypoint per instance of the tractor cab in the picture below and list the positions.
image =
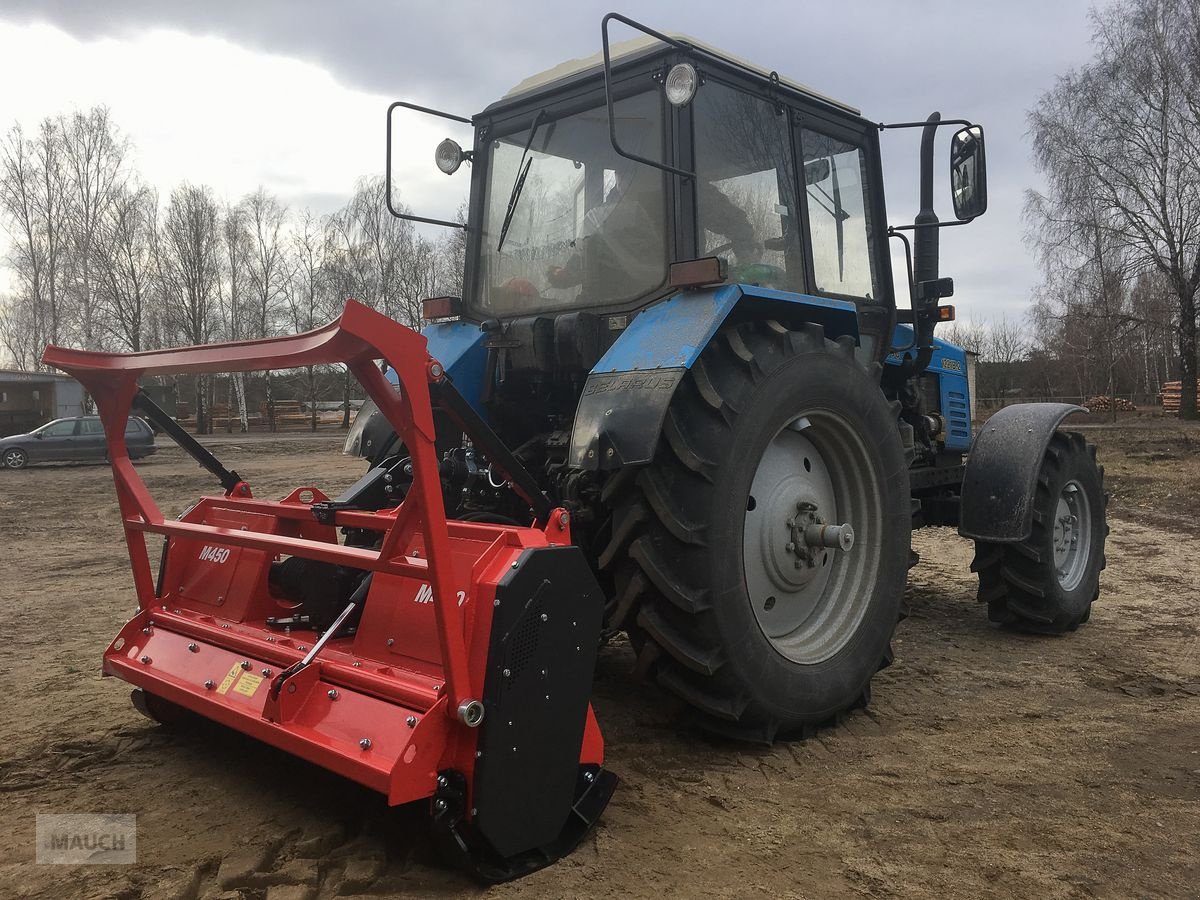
(589, 180)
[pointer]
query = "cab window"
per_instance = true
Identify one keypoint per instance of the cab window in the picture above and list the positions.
(745, 189)
(839, 220)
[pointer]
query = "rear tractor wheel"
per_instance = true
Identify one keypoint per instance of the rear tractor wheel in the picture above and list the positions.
(1047, 582)
(762, 556)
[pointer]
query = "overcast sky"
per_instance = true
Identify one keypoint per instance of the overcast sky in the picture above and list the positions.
(290, 94)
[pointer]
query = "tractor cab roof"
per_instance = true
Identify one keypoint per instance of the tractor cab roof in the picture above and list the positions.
(573, 70)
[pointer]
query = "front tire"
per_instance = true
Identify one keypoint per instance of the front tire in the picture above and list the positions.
(736, 608)
(1048, 582)
(15, 458)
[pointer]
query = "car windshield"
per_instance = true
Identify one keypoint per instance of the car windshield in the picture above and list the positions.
(585, 227)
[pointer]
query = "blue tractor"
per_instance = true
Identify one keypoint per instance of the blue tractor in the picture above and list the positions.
(678, 322)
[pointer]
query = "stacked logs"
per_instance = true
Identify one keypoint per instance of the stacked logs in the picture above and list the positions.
(1172, 392)
(1108, 404)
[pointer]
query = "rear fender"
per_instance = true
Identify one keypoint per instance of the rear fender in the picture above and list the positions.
(1002, 470)
(625, 399)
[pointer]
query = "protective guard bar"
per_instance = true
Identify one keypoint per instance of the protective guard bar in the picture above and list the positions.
(358, 338)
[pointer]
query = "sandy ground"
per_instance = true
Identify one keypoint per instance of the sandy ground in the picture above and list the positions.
(989, 765)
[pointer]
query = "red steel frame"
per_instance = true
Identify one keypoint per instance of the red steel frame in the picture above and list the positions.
(358, 338)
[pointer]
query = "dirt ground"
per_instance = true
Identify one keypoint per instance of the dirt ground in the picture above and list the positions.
(990, 764)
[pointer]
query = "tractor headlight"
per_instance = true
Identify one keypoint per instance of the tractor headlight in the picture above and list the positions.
(681, 84)
(448, 156)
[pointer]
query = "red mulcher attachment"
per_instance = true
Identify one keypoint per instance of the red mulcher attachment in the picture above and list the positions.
(442, 660)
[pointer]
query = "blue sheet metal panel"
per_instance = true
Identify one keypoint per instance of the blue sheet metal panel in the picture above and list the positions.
(458, 346)
(672, 334)
(949, 364)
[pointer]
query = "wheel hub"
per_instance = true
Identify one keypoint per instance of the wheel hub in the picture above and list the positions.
(1071, 535)
(796, 530)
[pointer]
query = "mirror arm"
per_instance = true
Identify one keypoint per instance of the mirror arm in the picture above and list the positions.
(387, 167)
(888, 126)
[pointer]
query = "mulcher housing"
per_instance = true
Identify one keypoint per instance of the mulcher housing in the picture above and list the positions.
(463, 671)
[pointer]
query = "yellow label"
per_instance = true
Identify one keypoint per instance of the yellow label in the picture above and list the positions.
(234, 671)
(248, 685)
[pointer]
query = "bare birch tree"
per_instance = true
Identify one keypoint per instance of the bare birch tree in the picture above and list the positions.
(189, 269)
(1119, 143)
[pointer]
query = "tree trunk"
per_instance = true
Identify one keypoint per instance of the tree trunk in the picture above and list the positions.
(201, 419)
(270, 404)
(1187, 354)
(239, 385)
(312, 397)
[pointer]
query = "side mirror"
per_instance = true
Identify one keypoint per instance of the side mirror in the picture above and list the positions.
(816, 171)
(968, 173)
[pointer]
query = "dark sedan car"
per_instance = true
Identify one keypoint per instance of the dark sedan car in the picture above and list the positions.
(72, 440)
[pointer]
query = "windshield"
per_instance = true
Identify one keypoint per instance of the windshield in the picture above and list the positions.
(585, 227)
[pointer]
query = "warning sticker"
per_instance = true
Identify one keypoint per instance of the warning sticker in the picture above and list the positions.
(227, 682)
(248, 685)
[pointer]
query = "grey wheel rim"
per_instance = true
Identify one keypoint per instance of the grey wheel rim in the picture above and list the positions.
(808, 594)
(1071, 535)
(14, 459)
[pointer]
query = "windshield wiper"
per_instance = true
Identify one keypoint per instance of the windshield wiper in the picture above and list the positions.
(519, 182)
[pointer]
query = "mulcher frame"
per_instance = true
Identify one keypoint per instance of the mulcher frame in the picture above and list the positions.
(389, 706)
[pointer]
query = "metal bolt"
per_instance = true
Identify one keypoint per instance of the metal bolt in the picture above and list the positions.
(416, 553)
(301, 648)
(609, 453)
(210, 684)
(245, 664)
(440, 805)
(391, 642)
(789, 547)
(474, 811)
(356, 664)
(443, 781)
(514, 565)
(435, 370)
(563, 519)
(145, 631)
(291, 689)
(411, 721)
(225, 625)
(589, 777)
(193, 648)
(146, 660)
(437, 688)
(365, 743)
(545, 618)
(478, 754)
(266, 673)
(496, 602)
(508, 673)
(332, 694)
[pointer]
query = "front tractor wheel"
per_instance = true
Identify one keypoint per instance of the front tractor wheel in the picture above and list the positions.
(1047, 582)
(762, 556)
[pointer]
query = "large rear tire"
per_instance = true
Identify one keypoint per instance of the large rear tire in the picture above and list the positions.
(1048, 582)
(729, 598)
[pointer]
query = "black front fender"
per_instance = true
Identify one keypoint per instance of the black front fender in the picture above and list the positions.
(1002, 470)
